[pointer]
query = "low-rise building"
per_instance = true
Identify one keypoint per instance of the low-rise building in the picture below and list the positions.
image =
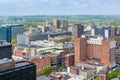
(40, 63)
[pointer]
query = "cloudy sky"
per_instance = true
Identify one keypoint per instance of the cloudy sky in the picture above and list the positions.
(59, 7)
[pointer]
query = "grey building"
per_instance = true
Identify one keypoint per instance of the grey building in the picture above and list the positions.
(32, 35)
(77, 30)
(5, 50)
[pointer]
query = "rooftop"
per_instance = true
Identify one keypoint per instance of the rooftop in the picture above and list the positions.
(29, 46)
(5, 60)
(3, 43)
(12, 25)
(44, 78)
(86, 69)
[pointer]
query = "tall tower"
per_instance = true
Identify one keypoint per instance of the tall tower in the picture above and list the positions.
(65, 24)
(80, 50)
(78, 30)
(56, 24)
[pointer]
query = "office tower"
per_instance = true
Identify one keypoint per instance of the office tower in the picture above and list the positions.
(78, 30)
(95, 50)
(56, 24)
(5, 50)
(65, 24)
(11, 70)
(10, 32)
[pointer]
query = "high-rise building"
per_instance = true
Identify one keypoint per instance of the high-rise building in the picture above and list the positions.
(77, 30)
(5, 50)
(56, 24)
(10, 32)
(95, 50)
(11, 70)
(60, 24)
(65, 24)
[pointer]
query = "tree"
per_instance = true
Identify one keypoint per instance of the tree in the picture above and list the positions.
(14, 41)
(47, 70)
(60, 68)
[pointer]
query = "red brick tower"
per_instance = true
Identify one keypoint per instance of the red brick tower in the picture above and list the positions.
(80, 50)
(108, 54)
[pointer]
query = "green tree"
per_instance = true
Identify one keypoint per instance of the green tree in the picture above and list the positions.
(47, 70)
(60, 68)
(14, 41)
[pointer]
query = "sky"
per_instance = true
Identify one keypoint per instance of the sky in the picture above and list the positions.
(59, 7)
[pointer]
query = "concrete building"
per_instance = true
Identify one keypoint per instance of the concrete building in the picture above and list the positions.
(104, 31)
(88, 73)
(10, 31)
(78, 30)
(5, 50)
(117, 56)
(32, 35)
(95, 50)
(11, 70)
(103, 75)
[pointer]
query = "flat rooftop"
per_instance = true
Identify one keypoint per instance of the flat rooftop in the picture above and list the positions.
(86, 69)
(12, 25)
(5, 60)
(29, 46)
(44, 78)
(4, 43)
(22, 63)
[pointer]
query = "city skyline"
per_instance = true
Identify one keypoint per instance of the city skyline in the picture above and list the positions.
(59, 7)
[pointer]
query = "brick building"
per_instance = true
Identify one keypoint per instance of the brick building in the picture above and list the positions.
(40, 63)
(69, 60)
(94, 50)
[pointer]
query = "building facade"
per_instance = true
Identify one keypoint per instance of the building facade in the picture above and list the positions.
(5, 50)
(104, 31)
(77, 30)
(10, 32)
(95, 50)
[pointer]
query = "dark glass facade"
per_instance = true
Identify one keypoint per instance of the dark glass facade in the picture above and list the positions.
(6, 51)
(26, 72)
(9, 32)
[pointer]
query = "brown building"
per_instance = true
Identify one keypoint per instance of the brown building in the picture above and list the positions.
(40, 63)
(69, 60)
(95, 50)
(60, 24)
(56, 24)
